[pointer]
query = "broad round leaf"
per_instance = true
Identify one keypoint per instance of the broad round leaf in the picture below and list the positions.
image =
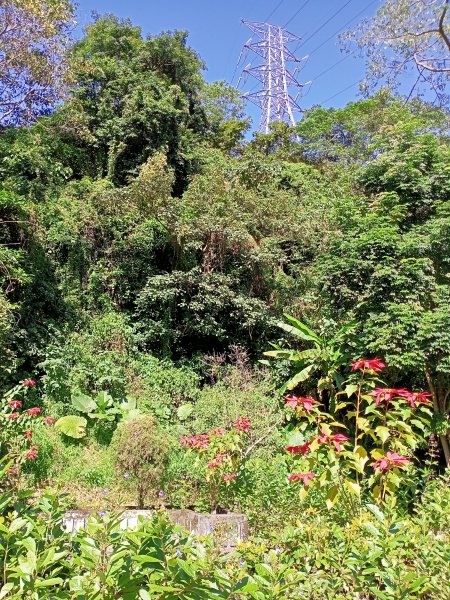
(72, 426)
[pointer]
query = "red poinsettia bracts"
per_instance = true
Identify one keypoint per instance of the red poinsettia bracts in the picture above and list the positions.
(196, 441)
(243, 424)
(32, 453)
(337, 439)
(34, 412)
(392, 459)
(294, 402)
(368, 364)
(387, 394)
(216, 461)
(218, 431)
(15, 403)
(12, 416)
(419, 397)
(305, 477)
(303, 449)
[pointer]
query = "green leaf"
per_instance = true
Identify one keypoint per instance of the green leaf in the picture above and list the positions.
(303, 375)
(353, 487)
(376, 511)
(299, 329)
(360, 457)
(382, 432)
(72, 426)
(8, 587)
(76, 583)
(350, 389)
(49, 582)
(332, 496)
(371, 527)
(84, 403)
(184, 411)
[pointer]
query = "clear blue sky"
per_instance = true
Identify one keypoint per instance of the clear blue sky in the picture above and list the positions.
(216, 33)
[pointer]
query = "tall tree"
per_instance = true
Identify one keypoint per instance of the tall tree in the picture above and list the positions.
(33, 38)
(406, 38)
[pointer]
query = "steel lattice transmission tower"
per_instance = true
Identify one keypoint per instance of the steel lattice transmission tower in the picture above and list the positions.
(280, 90)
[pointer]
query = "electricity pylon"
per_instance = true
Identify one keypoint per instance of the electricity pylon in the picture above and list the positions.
(275, 97)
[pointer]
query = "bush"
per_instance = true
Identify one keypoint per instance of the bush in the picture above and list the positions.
(161, 386)
(142, 451)
(380, 555)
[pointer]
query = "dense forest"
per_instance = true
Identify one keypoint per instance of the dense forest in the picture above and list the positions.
(164, 272)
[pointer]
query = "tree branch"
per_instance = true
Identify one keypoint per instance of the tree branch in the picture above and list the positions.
(261, 439)
(428, 67)
(441, 25)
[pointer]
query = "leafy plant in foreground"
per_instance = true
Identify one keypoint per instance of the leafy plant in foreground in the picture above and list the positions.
(382, 427)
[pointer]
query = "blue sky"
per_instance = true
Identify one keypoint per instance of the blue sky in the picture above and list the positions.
(216, 33)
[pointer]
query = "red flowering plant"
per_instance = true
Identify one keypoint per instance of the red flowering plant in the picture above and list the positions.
(368, 441)
(18, 425)
(221, 454)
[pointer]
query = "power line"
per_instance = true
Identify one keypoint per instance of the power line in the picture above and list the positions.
(339, 93)
(274, 10)
(332, 66)
(297, 13)
(343, 27)
(327, 21)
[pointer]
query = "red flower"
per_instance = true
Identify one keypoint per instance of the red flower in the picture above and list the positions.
(196, 441)
(304, 449)
(28, 434)
(29, 382)
(387, 394)
(336, 439)
(34, 448)
(392, 459)
(31, 455)
(414, 397)
(243, 424)
(368, 364)
(294, 401)
(218, 431)
(33, 412)
(229, 477)
(13, 416)
(49, 420)
(216, 461)
(305, 477)
(15, 403)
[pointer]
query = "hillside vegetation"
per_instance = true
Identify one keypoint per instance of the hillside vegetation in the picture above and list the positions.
(191, 316)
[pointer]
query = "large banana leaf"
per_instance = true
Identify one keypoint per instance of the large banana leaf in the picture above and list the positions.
(301, 376)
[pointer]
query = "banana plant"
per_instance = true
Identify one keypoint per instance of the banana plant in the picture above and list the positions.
(326, 357)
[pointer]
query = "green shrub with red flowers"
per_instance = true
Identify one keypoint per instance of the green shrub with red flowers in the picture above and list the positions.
(368, 443)
(19, 419)
(221, 455)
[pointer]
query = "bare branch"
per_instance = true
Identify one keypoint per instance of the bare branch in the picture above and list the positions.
(441, 25)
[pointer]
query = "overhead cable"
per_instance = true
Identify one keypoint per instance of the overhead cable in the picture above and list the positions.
(298, 12)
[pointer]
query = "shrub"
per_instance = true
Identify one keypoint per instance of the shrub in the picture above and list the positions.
(142, 454)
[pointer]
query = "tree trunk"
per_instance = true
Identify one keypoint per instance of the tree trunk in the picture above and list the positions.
(439, 407)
